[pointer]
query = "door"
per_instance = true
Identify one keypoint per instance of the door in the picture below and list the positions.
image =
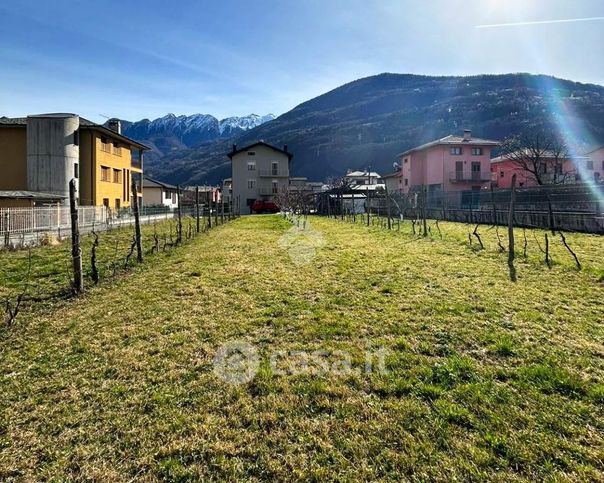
(475, 171)
(459, 170)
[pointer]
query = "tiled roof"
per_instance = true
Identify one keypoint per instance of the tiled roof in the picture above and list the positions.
(451, 139)
(152, 183)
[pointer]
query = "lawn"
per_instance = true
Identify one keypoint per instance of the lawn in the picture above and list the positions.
(483, 378)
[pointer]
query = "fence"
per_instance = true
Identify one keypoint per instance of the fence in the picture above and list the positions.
(576, 208)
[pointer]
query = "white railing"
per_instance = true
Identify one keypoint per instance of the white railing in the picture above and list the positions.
(48, 218)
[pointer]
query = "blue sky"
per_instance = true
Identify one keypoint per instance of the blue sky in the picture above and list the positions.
(136, 59)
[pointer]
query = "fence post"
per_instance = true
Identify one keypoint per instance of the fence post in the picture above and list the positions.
(215, 208)
(179, 235)
(221, 210)
(511, 231)
(137, 223)
(210, 210)
(197, 207)
(424, 201)
(388, 208)
(367, 205)
(76, 251)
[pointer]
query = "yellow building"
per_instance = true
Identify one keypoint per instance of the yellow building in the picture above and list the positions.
(43, 153)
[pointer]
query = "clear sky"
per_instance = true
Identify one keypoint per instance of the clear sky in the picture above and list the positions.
(136, 59)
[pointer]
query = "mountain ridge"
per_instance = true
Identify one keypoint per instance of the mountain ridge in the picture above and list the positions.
(167, 133)
(370, 120)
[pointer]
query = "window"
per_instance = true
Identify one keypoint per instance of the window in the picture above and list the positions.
(589, 165)
(105, 145)
(76, 137)
(168, 195)
(274, 168)
(275, 186)
(251, 153)
(117, 176)
(501, 174)
(105, 173)
(406, 160)
(406, 182)
(476, 151)
(456, 151)
(251, 165)
(251, 184)
(117, 203)
(475, 170)
(542, 168)
(106, 202)
(76, 170)
(117, 149)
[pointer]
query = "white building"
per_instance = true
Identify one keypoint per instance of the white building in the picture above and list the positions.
(158, 193)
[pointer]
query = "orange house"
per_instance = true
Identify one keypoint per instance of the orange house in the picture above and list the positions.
(42, 153)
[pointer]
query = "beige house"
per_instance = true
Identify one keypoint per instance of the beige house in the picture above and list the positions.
(158, 193)
(259, 171)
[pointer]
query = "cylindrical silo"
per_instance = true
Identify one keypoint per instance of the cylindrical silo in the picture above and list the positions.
(52, 152)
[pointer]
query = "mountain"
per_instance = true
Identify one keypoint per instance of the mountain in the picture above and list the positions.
(171, 132)
(370, 120)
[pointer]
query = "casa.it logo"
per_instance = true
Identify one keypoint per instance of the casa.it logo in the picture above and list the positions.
(236, 362)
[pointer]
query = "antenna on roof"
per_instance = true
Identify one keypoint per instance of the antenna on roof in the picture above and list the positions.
(103, 115)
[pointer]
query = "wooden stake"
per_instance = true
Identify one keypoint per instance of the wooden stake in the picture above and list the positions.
(137, 224)
(76, 252)
(511, 231)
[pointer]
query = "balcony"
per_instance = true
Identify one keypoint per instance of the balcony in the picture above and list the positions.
(273, 173)
(136, 164)
(472, 177)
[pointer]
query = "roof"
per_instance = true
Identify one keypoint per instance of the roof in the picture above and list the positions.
(84, 123)
(595, 149)
(152, 183)
(529, 154)
(30, 195)
(259, 143)
(392, 175)
(451, 139)
(362, 174)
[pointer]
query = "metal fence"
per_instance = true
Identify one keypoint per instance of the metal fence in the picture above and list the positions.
(48, 218)
(571, 208)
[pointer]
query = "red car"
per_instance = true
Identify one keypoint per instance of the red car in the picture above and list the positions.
(261, 206)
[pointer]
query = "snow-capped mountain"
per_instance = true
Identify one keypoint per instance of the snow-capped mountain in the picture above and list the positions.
(232, 125)
(170, 132)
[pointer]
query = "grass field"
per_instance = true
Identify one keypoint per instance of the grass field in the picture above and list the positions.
(484, 378)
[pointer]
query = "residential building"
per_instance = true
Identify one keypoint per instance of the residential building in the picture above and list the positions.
(42, 153)
(551, 168)
(450, 164)
(364, 180)
(259, 172)
(158, 193)
(393, 181)
(227, 190)
(595, 169)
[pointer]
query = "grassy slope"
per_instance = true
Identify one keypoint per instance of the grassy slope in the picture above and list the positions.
(487, 378)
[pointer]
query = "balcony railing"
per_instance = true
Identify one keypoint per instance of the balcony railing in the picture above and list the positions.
(472, 177)
(136, 163)
(273, 173)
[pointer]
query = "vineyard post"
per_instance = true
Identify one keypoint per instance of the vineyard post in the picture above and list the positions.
(511, 231)
(197, 208)
(76, 251)
(137, 223)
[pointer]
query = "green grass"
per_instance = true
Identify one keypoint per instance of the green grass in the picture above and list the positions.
(51, 270)
(485, 379)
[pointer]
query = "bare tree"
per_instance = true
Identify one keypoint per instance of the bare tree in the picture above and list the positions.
(539, 155)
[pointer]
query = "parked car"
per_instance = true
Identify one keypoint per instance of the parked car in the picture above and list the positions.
(261, 206)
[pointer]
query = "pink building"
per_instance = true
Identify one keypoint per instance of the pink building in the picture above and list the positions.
(552, 170)
(596, 167)
(453, 163)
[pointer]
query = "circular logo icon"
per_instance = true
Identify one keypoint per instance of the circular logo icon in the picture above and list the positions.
(236, 362)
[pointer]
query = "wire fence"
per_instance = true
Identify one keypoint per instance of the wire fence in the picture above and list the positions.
(577, 208)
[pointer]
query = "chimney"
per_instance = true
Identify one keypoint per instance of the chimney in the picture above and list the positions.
(115, 125)
(467, 134)
(234, 147)
(285, 148)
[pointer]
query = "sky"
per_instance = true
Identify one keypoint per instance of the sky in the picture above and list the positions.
(142, 59)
